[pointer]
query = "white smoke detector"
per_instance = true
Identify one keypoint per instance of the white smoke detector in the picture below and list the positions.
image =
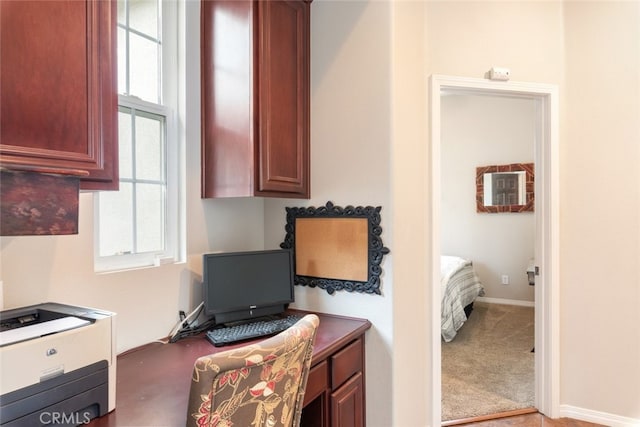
(499, 73)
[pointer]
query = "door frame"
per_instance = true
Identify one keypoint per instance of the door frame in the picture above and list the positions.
(547, 216)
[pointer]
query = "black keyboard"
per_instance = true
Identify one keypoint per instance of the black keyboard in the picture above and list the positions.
(245, 331)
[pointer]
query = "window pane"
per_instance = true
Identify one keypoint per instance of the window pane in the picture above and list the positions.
(122, 17)
(150, 210)
(122, 60)
(116, 225)
(124, 143)
(143, 16)
(134, 219)
(143, 68)
(149, 148)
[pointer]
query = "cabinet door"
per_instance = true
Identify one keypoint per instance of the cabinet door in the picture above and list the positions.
(283, 98)
(347, 404)
(58, 83)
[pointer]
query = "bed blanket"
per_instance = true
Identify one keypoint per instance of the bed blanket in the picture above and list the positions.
(460, 286)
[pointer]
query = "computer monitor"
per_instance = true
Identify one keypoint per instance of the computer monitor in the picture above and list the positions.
(246, 285)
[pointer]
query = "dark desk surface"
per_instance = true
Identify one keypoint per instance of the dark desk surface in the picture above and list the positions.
(153, 380)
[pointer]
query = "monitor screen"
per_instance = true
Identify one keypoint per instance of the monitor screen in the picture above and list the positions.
(246, 285)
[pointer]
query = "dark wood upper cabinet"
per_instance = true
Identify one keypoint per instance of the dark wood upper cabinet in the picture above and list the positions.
(58, 94)
(255, 98)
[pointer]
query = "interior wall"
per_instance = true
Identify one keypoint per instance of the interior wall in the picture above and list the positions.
(600, 229)
(350, 133)
(412, 403)
(482, 130)
(575, 45)
(467, 38)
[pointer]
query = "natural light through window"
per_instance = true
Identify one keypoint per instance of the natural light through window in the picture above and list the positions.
(137, 225)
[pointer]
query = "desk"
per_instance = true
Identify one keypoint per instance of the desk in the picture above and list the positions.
(153, 380)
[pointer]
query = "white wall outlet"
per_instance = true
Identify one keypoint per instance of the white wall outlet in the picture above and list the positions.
(505, 279)
(499, 73)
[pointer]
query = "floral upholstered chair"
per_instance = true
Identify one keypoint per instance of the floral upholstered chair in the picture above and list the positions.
(260, 384)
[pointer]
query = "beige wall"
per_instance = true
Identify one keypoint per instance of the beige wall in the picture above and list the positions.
(412, 401)
(573, 45)
(370, 64)
(600, 233)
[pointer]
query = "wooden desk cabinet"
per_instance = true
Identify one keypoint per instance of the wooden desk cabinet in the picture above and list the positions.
(153, 381)
(335, 389)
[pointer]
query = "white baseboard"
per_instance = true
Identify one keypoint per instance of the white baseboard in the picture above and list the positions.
(506, 301)
(603, 418)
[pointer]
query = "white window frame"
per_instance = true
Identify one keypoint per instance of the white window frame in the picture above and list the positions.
(174, 231)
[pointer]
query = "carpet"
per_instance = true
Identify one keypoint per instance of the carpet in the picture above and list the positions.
(489, 367)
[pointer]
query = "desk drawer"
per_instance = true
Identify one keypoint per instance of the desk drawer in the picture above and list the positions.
(317, 383)
(345, 363)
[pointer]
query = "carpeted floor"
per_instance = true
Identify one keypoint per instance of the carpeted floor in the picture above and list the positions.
(489, 367)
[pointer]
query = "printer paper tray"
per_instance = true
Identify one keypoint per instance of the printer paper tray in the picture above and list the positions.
(73, 398)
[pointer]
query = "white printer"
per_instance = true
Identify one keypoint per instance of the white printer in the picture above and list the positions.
(57, 365)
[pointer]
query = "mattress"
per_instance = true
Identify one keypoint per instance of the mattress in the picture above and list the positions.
(460, 286)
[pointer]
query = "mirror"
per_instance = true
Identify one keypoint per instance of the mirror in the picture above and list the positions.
(505, 188)
(336, 248)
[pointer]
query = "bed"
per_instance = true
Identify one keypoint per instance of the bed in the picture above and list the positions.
(460, 287)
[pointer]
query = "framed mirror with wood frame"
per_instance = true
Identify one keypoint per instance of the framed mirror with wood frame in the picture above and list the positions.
(505, 188)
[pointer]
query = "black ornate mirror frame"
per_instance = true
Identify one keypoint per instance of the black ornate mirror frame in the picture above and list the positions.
(376, 249)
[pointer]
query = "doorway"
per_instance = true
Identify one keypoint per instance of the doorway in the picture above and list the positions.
(546, 225)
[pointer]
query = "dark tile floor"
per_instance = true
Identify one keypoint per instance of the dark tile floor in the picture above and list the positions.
(531, 420)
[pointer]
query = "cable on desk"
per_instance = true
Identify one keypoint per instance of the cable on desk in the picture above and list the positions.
(185, 327)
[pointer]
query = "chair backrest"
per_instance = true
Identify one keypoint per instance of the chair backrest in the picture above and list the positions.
(260, 384)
